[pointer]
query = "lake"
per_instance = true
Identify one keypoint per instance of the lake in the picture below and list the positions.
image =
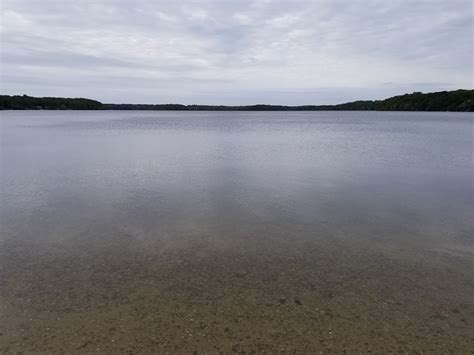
(236, 231)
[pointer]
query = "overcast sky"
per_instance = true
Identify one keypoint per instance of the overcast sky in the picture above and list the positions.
(235, 52)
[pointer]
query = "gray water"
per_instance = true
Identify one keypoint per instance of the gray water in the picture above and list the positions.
(233, 195)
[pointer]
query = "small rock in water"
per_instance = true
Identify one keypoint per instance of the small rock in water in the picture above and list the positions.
(282, 300)
(298, 302)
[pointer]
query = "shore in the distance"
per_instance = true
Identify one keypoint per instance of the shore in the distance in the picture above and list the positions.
(457, 100)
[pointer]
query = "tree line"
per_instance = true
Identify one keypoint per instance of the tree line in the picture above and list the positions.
(458, 100)
(25, 102)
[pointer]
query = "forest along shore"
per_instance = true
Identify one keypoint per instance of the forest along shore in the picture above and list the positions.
(458, 100)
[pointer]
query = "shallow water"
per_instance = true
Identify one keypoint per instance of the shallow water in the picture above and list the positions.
(236, 231)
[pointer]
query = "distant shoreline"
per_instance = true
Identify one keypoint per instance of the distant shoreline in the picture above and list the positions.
(456, 101)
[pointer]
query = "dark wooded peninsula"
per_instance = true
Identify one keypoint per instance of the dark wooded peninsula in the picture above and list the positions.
(458, 100)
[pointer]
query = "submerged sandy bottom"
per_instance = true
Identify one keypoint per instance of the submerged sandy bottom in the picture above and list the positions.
(234, 293)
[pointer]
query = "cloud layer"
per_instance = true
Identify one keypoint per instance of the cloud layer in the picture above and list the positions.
(235, 52)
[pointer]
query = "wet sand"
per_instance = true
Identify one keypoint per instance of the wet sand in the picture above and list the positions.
(235, 293)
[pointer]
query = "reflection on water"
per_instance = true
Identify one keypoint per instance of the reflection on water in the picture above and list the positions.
(310, 219)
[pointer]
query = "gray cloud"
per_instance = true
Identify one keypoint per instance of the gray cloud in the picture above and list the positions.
(235, 52)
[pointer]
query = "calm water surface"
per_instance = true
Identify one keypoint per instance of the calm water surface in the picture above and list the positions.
(236, 231)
